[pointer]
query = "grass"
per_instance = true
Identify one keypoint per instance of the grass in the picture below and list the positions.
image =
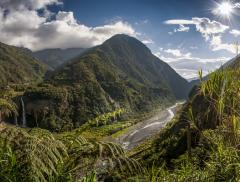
(106, 130)
(109, 128)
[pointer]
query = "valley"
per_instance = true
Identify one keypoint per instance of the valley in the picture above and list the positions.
(120, 73)
(119, 91)
(83, 110)
(113, 107)
(103, 101)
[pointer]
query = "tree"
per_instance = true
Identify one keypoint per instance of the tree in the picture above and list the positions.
(7, 108)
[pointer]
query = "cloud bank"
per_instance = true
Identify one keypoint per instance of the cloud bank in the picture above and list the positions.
(235, 32)
(211, 31)
(203, 25)
(21, 24)
(187, 65)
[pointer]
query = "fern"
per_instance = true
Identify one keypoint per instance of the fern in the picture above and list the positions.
(37, 156)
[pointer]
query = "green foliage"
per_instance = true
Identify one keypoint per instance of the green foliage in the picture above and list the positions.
(90, 178)
(34, 157)
(17, 66)
(7, 108)
(104, 119)
(47, 91)
(120, 73)
(213, 112)
(200, 73)
(109, 130)
(57, 57)
(215, 159)
(37, 155)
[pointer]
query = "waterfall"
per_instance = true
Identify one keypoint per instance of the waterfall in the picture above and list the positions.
(15, 120)
(24, 124)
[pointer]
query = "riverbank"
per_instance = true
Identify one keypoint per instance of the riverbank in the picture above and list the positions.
(147, 128)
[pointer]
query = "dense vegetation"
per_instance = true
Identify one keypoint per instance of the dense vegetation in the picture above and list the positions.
(37, 155)
(202, 144)
(120, 73)
(89, 101)
(16, 66)
(57, 57)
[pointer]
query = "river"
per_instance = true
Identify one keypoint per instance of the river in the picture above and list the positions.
(147, 128)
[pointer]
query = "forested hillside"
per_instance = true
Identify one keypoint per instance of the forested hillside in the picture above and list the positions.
(120, 73)
(57, 57)
(17, 66)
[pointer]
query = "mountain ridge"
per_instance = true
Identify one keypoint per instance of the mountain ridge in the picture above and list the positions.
(57, 57)
(17, 66)
(122, 72)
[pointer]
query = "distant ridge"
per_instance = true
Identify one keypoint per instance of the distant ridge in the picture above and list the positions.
(57, 57)
(18, 66)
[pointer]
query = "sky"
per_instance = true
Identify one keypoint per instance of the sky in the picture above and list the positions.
(187, 34)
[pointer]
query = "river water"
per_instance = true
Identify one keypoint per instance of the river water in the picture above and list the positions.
(145, 129)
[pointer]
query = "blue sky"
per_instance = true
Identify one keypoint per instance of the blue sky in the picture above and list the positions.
(188, 34)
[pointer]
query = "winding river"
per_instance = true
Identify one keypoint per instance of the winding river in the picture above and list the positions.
(143, 130)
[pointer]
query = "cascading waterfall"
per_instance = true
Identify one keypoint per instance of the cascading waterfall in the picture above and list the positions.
(24, 124)
(15, 119)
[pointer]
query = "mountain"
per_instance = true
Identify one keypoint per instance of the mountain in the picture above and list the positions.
(128, 57)
(17, 66)
(233, 63)
(56, 57)
(120, 73)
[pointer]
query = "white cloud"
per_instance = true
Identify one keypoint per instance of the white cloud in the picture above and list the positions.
(182, 28)
(216, 44)
(18, 30)
(208, 27)
(179, 22)
(142, 22)
(177, 53)
(29, 4)
(216, 40)
(16, 21)
(203, 25)
(210, 30)
(174, 52)
(190, 74)
(66, 17)
(23, 26)
(107, 31)
(189, 66)
(237, 5)
(193, 47)
(235, 32)
(68, 33)
(148, 41)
